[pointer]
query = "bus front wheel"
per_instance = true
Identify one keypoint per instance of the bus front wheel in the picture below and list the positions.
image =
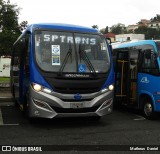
(148, 109)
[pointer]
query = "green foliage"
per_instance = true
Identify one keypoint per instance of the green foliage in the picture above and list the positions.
(117, 30)
(106, 30)
(4, 79)
(9, 27)
(156, 18)
(150, 33)
(95, 26)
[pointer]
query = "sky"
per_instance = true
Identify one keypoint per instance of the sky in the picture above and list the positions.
(87, 12)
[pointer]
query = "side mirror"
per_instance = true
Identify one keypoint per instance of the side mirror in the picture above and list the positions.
(109, 41)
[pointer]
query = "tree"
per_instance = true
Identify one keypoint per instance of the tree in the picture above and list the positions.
(116, 29)
(150, 33)
(106, 30)
(9, 27)
(23, 25)
(157, 18)
(95, 26)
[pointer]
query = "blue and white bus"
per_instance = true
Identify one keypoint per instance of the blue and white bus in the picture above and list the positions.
(62, 70)
(137, 75)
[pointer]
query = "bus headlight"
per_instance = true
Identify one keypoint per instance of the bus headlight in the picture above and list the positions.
(111, 87)
(37, 87)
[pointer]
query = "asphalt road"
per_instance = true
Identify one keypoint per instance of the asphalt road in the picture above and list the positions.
(120, 128)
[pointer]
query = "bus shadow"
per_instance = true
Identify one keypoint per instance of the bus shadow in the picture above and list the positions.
(68, 122)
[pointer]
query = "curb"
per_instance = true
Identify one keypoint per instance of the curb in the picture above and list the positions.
(6, 104)
(6, 99)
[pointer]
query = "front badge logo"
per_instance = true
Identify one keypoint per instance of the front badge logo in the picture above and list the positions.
(77, 97)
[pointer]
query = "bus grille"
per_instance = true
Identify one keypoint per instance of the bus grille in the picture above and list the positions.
(76, 110)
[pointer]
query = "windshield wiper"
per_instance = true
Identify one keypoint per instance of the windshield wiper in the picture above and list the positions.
(69, 53)
(85, 58)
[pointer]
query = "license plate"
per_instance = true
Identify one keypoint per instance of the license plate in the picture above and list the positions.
(76, 105)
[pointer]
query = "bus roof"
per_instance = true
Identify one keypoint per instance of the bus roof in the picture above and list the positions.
(133, 43)
(63, 27)
(60, 27)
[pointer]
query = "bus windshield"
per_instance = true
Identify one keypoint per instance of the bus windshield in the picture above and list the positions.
(71, 52)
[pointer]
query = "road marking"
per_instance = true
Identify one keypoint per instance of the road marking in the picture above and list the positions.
(1, 118)
(139, 118)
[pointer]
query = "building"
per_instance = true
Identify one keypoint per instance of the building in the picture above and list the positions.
(154, 25)
(131, 28)
(111, 36)
(129, 37)
(143, 22)
(5, 66)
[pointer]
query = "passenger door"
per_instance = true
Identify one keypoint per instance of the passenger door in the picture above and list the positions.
(126, 76)
(122, 76)
(133, 68)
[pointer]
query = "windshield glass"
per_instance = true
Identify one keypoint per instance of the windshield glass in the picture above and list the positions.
(71, 52)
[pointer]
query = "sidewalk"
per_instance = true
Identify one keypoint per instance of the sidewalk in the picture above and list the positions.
(5, 95)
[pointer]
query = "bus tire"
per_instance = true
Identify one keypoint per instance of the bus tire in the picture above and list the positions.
(148, 109)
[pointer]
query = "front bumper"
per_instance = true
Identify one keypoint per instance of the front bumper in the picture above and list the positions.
(55, 104)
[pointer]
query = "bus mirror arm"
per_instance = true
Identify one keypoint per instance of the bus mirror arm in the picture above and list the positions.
(109, 40)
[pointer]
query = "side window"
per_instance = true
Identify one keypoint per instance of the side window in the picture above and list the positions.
(133, 63)
(27, 54)
(17, 57)
(149, 62)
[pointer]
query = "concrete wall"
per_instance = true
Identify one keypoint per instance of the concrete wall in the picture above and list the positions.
(5, 66)
(129, 37)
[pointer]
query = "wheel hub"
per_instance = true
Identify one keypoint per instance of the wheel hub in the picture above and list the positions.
(148, 109)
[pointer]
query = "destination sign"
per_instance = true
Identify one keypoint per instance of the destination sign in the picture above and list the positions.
(69, 39)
